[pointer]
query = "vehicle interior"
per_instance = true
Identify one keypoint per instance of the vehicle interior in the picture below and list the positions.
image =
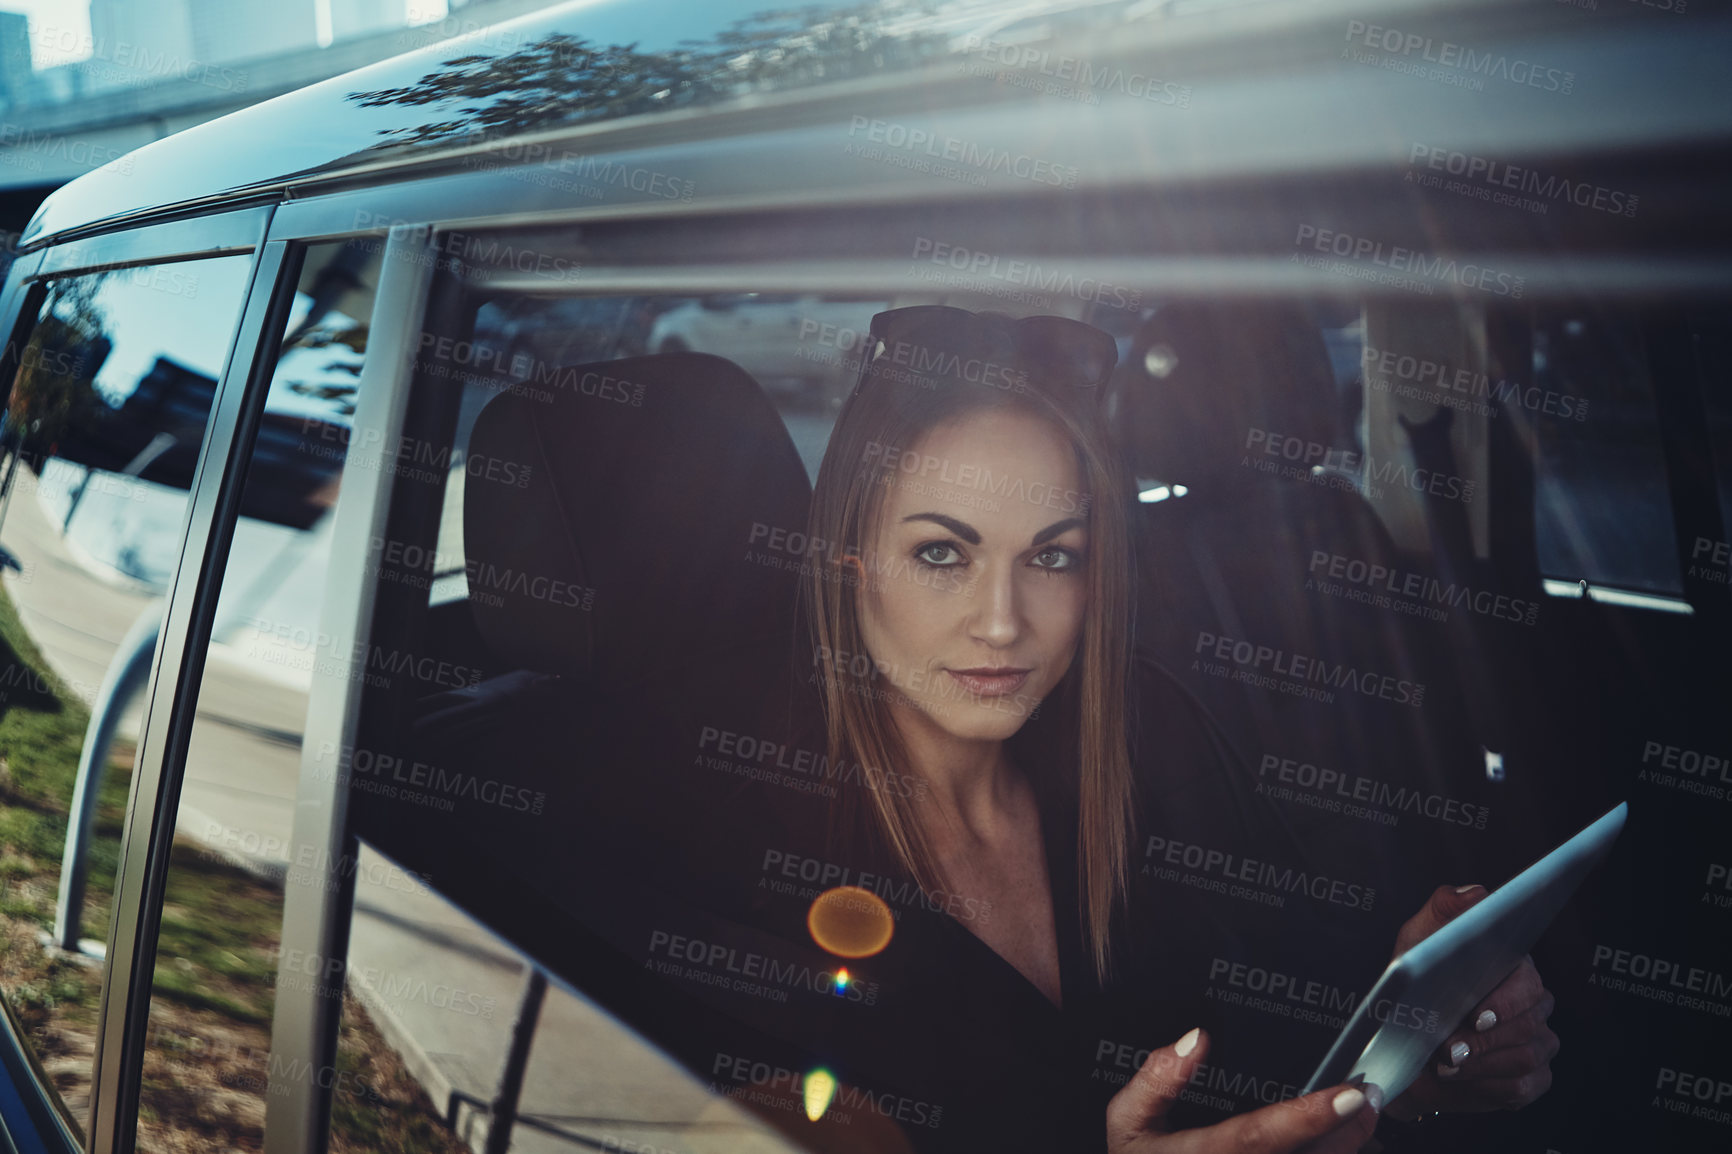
(408, 668)
(1442, 547)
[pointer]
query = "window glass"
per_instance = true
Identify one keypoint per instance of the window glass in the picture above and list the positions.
(101, 435)
(207, 1059)
(493, 1037)
(1601, 498)
(612, 836)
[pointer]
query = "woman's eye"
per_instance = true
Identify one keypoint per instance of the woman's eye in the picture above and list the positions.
(941, 553)
(1057, 558)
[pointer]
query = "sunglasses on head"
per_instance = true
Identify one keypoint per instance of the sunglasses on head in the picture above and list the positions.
(927, 344)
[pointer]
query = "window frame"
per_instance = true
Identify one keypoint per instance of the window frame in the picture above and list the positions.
(156, 774)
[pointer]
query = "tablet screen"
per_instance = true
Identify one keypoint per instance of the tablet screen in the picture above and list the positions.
(1425, 993)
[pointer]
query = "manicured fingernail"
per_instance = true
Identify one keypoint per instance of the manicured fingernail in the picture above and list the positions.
(1458, 1053)
(1374, 1095)
(1347, 1103)
(1465, 889)
(1186, 1044)
(1447, 1071)
(1486, 1020)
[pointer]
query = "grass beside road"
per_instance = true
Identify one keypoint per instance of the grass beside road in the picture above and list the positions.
(215, 979)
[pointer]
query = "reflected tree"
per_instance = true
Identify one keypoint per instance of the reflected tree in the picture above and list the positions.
(54, 389)
(564, 79)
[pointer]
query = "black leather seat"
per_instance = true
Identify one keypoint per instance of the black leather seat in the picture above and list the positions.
(1236, 594)
(622, 585)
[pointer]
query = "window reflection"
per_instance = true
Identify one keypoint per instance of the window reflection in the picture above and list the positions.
(101, 434)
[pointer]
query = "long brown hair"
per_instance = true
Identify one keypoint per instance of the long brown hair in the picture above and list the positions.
(1091, 717)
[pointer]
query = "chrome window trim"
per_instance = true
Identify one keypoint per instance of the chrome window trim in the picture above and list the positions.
(17, 288)
(193, 238)
(179, 663)
(1245, 277)
(316, 903)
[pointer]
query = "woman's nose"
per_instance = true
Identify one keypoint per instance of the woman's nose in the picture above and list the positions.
(995, 616)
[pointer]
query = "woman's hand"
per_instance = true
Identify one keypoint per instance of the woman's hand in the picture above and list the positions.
(1500, 1056)
(1333, 1121)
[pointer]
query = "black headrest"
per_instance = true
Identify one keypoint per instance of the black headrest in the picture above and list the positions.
(1201, 375)
(628, 520)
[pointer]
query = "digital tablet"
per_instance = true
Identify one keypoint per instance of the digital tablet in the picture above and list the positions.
(1423, 995)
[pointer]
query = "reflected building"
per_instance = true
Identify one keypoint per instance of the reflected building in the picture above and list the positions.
(158, 36)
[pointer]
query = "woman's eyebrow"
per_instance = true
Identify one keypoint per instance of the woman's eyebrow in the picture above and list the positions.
(967, 532)
(1054, 529)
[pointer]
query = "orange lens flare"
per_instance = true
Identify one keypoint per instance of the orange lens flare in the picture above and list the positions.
(850, 922)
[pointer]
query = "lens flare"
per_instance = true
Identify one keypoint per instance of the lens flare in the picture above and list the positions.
(850, 922)
(820, 1088)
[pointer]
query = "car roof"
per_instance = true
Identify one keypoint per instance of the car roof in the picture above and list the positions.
(669, 65)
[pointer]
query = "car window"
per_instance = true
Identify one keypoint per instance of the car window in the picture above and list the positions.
(102, 431)
(596, 971)
(494, 1036)
(1601, 500)
(607, 892)
(219, 956)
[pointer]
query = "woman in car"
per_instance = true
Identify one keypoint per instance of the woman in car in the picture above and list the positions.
(972, 634)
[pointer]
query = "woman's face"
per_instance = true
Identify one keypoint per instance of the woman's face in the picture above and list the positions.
(974, 586)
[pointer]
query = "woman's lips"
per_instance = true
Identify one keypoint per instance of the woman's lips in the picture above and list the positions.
(989, 682)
